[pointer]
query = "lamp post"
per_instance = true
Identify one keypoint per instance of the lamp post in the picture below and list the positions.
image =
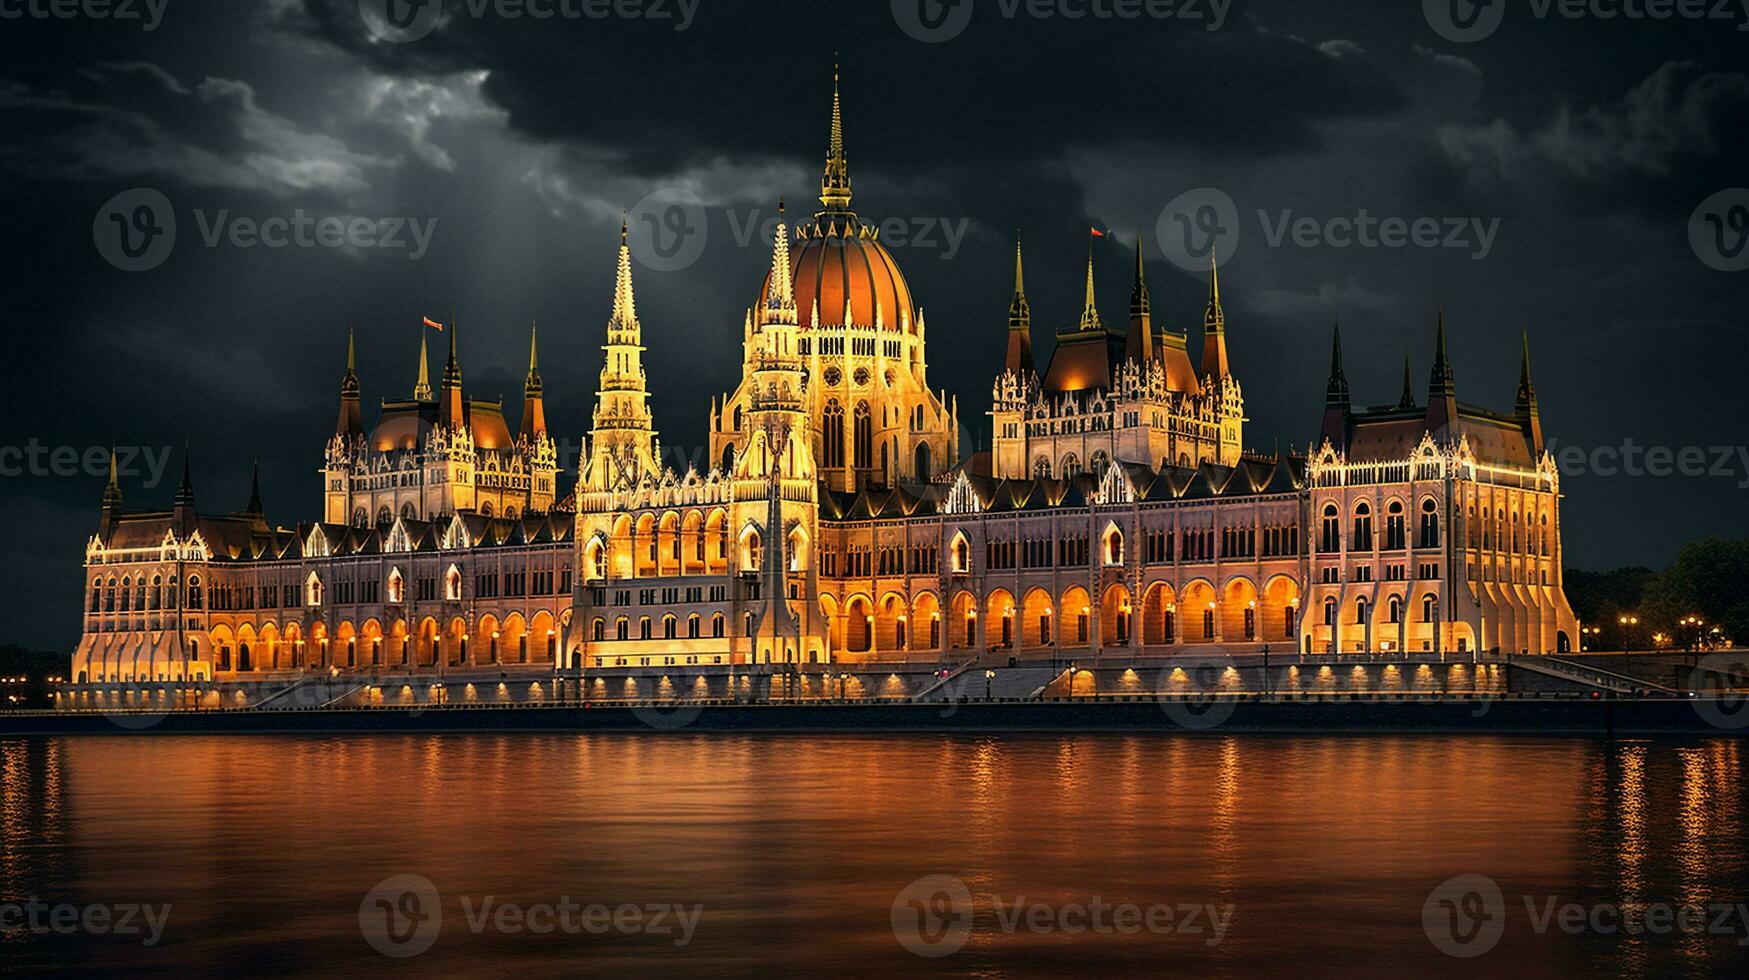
(989, 678)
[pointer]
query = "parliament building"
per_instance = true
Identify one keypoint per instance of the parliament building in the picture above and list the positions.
(1117, 513)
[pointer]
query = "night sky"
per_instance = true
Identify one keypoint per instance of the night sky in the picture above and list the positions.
(1591, 142)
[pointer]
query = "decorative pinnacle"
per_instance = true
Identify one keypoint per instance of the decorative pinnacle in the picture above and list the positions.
(1089, 312)
(835, 182)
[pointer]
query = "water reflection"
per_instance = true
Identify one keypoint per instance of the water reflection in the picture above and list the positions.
(1326, 848)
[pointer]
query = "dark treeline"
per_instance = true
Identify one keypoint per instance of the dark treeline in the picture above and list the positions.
(1708, 581)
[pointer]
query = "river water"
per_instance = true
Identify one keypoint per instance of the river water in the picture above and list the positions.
(1032, 855)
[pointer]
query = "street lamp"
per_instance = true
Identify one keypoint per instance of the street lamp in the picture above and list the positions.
(989, 677)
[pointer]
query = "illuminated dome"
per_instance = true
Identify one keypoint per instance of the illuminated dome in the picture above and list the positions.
(837, 259)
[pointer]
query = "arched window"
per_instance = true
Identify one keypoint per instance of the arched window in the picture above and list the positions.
(1429, 536)
(864, 448)
(195, 596)
(1071, 465)
(452, 584)
(1360, 611)
(921, 462)
(1427, 609)
(96, 595)
(1362, 540)
(1330, 537)
(599, 629)
(832, 434)
(1099, 462)
(486, 509)
(397, 586)
(109, 597)
(643, 627)
(752, 550)
(962, 554)
(360, 517)
(312, 590)
(621, 628)
(669, 625)
(692, 627)
(385, 516)
(1330, 611)
(717, 626)
(409, 512)
(1396, 527)
(1041, 468)
(127, 593)
(1395, 614)
(1114, 547)
(736, 416)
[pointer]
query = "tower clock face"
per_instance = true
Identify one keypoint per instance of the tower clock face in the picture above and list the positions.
(833, 376)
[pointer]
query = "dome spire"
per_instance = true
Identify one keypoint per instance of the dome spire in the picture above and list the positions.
(835, 182)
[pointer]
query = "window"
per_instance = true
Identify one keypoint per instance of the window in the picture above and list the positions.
(1362, 540)
(1396, 537)
(864, 437)
(1330, 535)
(832, 434)
(1208, 624)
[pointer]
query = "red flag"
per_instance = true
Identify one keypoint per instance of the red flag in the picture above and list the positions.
(433, 324)
(1097, 233)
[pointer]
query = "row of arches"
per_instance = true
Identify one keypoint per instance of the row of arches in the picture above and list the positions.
(430, 643)
(1237, 612)
(143, 593)
(675, 545)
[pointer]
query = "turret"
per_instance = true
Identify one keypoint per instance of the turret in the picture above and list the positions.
(111, 510)
(1442, 406)
(451, 411)
(1214, 329)
(534, 415)
(1018, 359)
(1529, 418)
(1337, 406)
(1140, 345)
(182, 513)
(351, 422)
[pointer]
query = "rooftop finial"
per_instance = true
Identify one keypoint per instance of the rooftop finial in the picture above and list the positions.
(1089, 311)
(625, 307)
(422, 387)
(835, 182)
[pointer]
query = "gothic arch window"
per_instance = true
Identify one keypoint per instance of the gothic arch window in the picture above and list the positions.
(1396, 529)
(486, 509)
(922, 461)
(1330, 537)
(832, 434)
(599, 629)
(1099, 462)
(1071, 465)
(156, 596)
(385, 516)
(736, 416)
(195, 595)
(1429, 536)
(1360, 611)
(397, 586)
(728, 458)
(510, 513)
(717, 626)
(127, 590)
(1041, 468)
(96, 595)
(312, 590)
(962, 554)
(1396, 610)
(1330, 612)
(864, 449)
(452, 584)
(1362, 528)
(1427, 609)
(409, 512)
(360, 517)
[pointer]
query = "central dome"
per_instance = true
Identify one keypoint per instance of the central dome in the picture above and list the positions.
(837, 258)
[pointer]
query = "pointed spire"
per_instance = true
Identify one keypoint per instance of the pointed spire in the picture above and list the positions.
(1441, 379)
(351, 421)
(185, 487)
(625, 307)
(781, 296)
(254, 505)
(1139, 305)
(112, 491)
(1529, 415)
(1336, 391)
(452, 368)
(835, 182)
(1214, 328)
(532, 384)
(1018, 360)
(1089, 310)
(1407, 401)
(422, 387)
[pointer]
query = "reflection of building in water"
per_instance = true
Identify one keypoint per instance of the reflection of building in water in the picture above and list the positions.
(842, 521)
